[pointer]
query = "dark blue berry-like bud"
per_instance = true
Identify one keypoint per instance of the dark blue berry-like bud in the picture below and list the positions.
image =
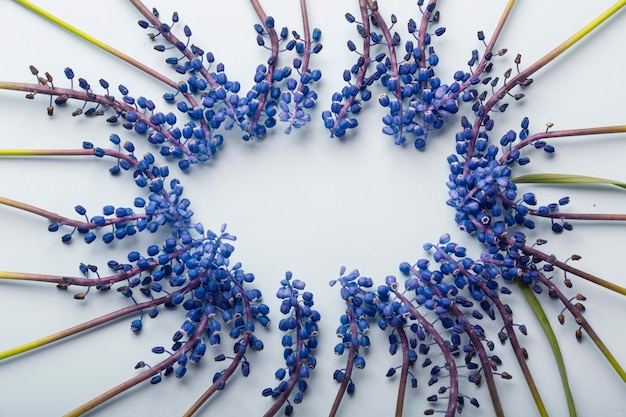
(317, 34)
(136, 326)
(69, 73)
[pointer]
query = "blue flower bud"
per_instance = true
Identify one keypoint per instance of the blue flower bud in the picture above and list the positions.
(317, 34)
(90, 237)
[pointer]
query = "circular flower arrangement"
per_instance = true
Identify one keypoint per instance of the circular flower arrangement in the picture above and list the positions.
(488, 314)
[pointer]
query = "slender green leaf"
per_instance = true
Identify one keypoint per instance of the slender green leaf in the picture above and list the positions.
(554, 344)
(564, 179)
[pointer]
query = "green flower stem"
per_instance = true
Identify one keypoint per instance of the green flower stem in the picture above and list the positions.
(572, 40)
(82, 327)
(74, 30)
(545, 178)
(535, 306)
(64, 281)
(68, 152)
(564, 46)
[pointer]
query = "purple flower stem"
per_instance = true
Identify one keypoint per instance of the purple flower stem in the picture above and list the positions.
(404, 372)
(72, 152)
(227, 373)
(489, 49)
(272, 61)
(557, 214)
(172, 39)
(507, 319)
(581, 216)
(65, 281)
(130, 60)
(560, 134)
(360, 79)
(306, 56)
(352, 353)
(66, 221)
(445, 351)
(551, 259)
(88, 325)
(582, 322)
(426, 15)
(562, 215)
(380, 21)
(91, 404)
(92, 98)
(477, 343)
(524, 75)
(294, 373)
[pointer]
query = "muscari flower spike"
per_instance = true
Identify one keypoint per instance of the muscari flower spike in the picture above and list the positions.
(299, 343)
(214, 101)
(417, 100)
(354, 328)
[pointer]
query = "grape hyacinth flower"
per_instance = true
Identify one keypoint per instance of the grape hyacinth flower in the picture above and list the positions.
(361, 308)
(452, 321)
(210, 101)
(416, 98)
(299, 343)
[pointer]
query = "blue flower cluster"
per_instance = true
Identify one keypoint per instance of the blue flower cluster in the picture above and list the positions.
(415, 97)
(299, 343)
(163, 206)
(431, 317)
(197, 275)
(481, 190)
(354, 329)
(277, 93)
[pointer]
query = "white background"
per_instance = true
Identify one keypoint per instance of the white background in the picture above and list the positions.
(303, 203)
